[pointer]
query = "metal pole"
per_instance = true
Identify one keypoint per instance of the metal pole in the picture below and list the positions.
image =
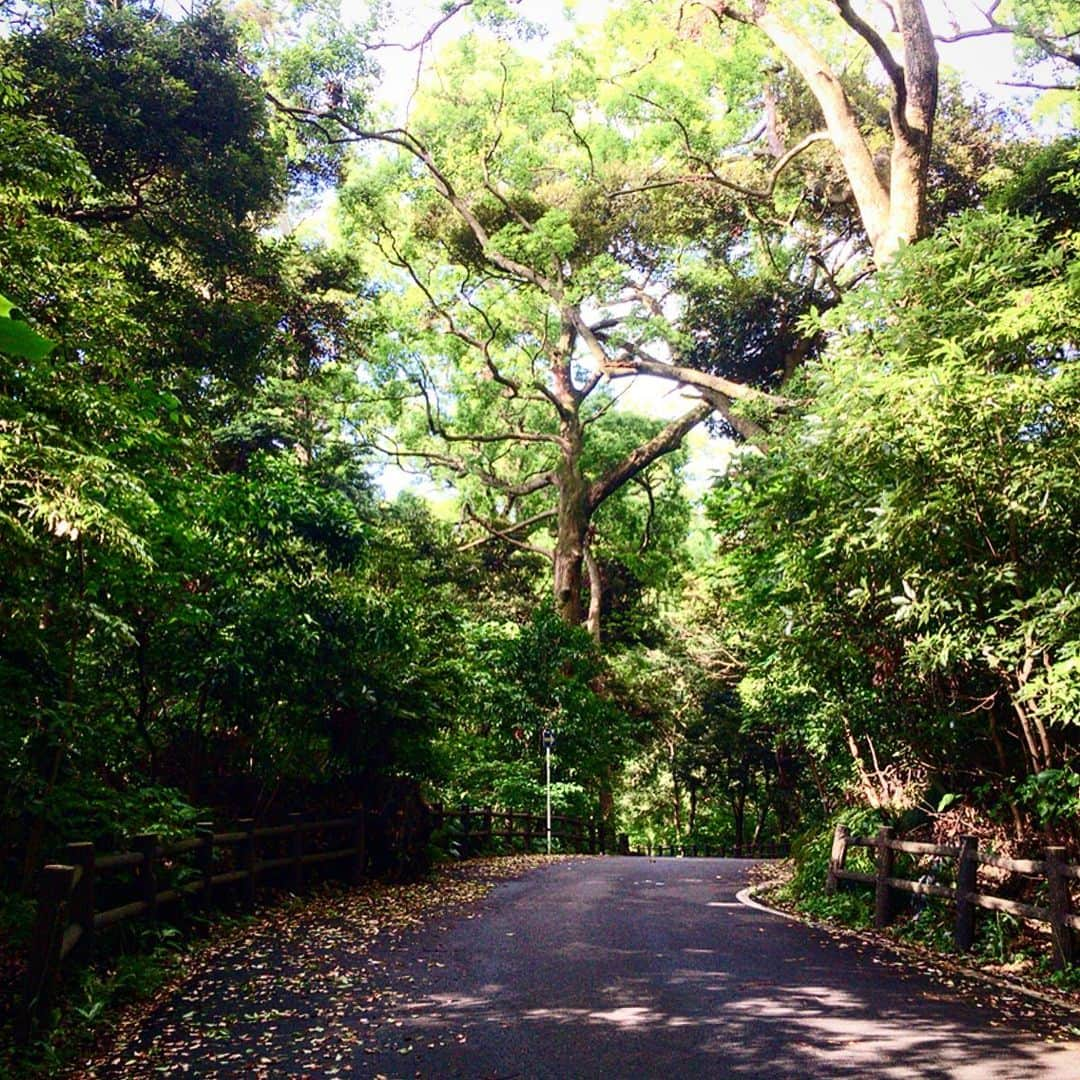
(547, 755)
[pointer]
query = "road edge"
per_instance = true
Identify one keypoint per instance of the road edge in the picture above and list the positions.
(747, 897)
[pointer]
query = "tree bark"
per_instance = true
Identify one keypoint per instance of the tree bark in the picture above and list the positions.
(572, 522)
(738, 818)
(893, 213)
(596, 595)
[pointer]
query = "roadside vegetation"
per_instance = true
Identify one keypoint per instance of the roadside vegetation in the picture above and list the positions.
(242, 300)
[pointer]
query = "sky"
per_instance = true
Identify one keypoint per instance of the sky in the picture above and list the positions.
(983, 62)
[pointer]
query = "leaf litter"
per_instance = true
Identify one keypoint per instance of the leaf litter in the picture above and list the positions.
(1051, 1014)
(299, 991)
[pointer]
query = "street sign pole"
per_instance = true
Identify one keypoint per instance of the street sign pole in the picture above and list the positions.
(547, 755)
(547, 739)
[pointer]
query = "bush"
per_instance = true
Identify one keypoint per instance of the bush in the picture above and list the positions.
(811, 853)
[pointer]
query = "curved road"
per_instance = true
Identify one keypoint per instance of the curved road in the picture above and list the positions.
(611, 968)
(630, 967)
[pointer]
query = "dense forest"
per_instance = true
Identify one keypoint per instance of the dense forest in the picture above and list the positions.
(248, 289)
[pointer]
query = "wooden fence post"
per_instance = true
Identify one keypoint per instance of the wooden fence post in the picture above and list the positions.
(43, 961)
(883, 898)
(146, 844)
(296, 852)
(245, 856)
(526, 836)
(486, 827)
(204, 860)
(837, 857)
(1060, 931)
(466, 830)
(592, 836)
(966, 877)
(81, 903)
(359, 860)
(624, 843)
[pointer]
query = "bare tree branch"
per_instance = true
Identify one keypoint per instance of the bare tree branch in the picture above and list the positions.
(407, 141)
(578, 137)
(1052, 44)
(642, 482)
(634, 362)
(508, 535)
(1039, 86)
(605, 408)
(882, 51)
(643, 456)
(460, 467)
(713, 177)
(752, 432)
(888, 218)
(426, 38)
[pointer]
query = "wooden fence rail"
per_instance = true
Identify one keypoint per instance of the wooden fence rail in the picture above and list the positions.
(476, 829)
(1058, 912)
(196, 868)
(702, 850)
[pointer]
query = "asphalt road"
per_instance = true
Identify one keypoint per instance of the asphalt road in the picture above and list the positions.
(621, 968)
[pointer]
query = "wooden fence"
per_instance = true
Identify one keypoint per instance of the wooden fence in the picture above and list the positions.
(703, 850)
(472, 830)
(1053, 870)
(152, 874)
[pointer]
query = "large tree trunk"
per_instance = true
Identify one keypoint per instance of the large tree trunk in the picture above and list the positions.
(596, 595)
(913, 125)
(893, 212)
(572, 533)
(738, 818)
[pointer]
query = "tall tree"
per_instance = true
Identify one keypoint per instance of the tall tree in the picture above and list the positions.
(181, 519)
(892, 207)
(523, 290)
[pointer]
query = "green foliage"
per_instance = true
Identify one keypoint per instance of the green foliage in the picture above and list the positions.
(194, 161)
(908, 552)
(206, 608)
(1052, 796)
(812, 851)
(520, 680)
(93, 1002)
(195, 616)
(18, 339)
(933, 925)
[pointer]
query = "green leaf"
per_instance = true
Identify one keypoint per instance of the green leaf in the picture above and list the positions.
(17, 339)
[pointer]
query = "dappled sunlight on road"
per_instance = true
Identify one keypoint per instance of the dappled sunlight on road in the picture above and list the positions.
(588, 971)
(707, 981)
(812, 1028)
(805, 1030)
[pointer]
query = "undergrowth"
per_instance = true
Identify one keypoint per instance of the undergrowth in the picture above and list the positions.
(1002, 941)
(91, 998)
